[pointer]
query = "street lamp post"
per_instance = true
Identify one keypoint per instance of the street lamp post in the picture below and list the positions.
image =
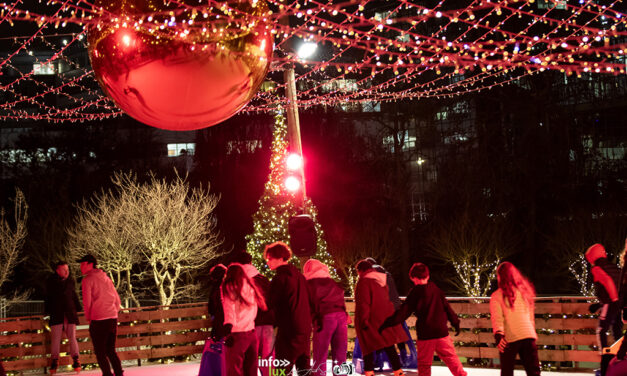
(293, 127)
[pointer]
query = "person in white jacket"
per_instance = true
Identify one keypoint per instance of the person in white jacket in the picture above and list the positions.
(240, 301)
(513, 320)
(101, 303)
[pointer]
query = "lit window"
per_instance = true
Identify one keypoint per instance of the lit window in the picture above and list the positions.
(175, 150)
(408, 142)
(241, 147)
(43, 68)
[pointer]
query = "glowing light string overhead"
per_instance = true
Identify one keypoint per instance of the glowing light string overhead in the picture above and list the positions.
(368, 51)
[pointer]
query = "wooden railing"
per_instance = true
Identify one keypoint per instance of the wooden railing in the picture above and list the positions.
(566, 330)
(566, 334)
(143, 333)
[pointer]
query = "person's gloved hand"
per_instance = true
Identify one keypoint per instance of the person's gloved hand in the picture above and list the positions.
(229, 341)
(457, 330)
(594, 307)
(318, 326)
(501, 343)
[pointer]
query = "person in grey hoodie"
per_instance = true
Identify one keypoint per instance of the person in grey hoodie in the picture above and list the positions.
(101, 303)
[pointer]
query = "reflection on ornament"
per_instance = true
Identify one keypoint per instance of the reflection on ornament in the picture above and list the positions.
(180, 69)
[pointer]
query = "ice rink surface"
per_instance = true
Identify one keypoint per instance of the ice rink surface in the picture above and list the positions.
(191, 369)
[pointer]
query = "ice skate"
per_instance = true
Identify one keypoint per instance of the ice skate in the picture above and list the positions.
(76, 365)
(53, 366)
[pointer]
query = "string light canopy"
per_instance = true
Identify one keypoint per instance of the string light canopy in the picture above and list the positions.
(367, 51)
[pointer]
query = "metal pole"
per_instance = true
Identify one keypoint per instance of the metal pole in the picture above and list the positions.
(293, 125)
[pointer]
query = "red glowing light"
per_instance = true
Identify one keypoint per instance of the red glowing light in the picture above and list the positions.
(294, 162)
(292, 184)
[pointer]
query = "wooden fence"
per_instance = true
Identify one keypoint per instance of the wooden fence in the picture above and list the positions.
(565, 328)
(566, 331)
(143, 333)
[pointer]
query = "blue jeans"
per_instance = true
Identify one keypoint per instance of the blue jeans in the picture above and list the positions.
(265, 337)
(334, 332)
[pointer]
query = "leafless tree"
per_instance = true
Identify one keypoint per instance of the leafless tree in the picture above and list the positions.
(12, 237)
(366, 240)
(574, 235)
(474, 247)
(155, 234)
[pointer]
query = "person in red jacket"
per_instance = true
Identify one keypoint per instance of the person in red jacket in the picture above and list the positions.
(605, 276)
(432, 311)
(102, 303)
(372, 307)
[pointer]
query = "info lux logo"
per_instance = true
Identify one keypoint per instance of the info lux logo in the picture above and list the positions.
(272, 363)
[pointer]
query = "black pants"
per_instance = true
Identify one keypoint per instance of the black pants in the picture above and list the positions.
(392, 357)
(294, 349)
(610, 318)
(103, 334)
(528, 355)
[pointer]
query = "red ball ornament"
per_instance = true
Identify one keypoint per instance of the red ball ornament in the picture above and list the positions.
(180, 68)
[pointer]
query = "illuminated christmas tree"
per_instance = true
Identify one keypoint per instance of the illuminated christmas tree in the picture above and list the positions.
(277, 206)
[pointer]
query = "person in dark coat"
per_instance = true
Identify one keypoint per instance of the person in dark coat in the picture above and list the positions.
(330, 319)
(62, 304)
(289, 300)
(214, 308)
(432, 311)
(372, 307)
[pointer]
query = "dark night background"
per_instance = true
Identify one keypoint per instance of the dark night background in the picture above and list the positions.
(534, 157)
(541, 159)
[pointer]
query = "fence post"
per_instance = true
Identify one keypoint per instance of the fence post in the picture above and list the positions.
(3, 307)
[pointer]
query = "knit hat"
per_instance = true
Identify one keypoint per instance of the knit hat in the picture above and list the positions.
(315, 269)
(595, 252)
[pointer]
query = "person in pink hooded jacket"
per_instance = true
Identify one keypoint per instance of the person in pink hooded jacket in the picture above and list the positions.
(240, 300)
(101, 303)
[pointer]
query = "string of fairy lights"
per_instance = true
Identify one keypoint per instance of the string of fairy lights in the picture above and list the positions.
(368, 50)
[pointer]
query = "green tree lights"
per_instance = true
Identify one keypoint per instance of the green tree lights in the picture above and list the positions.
(277, 206)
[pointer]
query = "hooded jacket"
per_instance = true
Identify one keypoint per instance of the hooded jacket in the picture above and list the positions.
(240, 313)
(100, 299)
(372, 307)
(263, 284)
(604, 274)
(325, 295)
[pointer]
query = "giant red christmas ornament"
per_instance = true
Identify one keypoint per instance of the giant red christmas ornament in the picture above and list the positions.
(180, 68)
